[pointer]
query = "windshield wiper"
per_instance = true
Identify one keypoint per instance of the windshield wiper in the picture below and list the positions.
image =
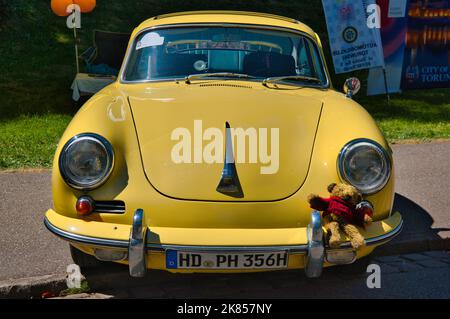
(291, 77)
(191, 77)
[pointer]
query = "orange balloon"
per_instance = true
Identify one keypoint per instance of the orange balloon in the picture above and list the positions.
(86, 5)
(59, 7)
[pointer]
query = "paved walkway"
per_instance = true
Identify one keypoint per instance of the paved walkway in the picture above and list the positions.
(27, 249)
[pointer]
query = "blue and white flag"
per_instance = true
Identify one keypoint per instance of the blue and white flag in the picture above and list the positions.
(354, 41)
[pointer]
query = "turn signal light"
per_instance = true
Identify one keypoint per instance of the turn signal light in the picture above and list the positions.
(85, 205)
(110, 255)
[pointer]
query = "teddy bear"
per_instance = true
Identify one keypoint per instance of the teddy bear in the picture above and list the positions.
(341, 213)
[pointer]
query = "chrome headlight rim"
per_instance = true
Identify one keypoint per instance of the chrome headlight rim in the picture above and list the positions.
(106, 145)
(380, 149)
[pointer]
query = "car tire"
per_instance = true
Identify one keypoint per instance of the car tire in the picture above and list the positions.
(85, 261)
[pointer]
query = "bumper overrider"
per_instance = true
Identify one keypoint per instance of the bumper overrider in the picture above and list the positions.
(138, 242)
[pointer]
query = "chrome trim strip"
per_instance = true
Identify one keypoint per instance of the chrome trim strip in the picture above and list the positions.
(291, 249)
(385, 237)
(326, 85)
(137, 250)
(84, 239)
(226, 12)
(316, 249)
(378, 240)
(229, 183)
(162, 247)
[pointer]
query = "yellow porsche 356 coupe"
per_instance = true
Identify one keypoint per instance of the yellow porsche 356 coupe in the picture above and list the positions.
(201, 156)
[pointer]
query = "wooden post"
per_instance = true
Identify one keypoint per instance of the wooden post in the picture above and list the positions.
(76, 48)
(386, 86)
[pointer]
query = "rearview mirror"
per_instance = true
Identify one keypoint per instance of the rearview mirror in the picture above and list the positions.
(351, 87)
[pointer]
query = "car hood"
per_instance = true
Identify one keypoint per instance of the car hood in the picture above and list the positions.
(183, 139)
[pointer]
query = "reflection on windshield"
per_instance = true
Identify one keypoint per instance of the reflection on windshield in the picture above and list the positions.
(179, 52)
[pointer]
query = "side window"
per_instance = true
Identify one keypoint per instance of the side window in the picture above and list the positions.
(139, 65)
(309, 61)
(303, 63)
(143, 67)
(316, 62)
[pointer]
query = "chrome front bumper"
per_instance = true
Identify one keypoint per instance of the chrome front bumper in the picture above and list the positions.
(316, 247)
(138, 247)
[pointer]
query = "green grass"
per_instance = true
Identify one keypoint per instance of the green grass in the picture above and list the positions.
(84, 288)
(30, 141)
(416, 115)
(37, 68)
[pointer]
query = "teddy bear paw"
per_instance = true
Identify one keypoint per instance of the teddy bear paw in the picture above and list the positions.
(367, 220)
(335, 241)
(312, 197)
(357, 242)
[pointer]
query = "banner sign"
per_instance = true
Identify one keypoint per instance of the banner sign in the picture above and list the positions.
(427, 54)
(416, 42)
(393, 34)
(354, 45)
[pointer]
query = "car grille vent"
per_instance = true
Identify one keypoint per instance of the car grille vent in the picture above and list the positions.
(109, 206)
(230, 85)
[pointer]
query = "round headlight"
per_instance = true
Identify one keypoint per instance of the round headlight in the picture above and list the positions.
(86, 161)
(365, 164)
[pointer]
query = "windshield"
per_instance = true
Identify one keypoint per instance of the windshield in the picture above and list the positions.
(175, 53)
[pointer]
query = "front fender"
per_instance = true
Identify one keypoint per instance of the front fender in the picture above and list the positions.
(343, 120)
(108, 114)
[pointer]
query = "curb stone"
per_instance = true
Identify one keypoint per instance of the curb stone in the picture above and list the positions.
(86, 296)
(32, 287)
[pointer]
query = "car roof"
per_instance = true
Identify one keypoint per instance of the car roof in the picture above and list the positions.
(238, 17)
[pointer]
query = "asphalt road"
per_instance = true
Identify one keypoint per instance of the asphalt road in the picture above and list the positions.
(27, 249)
(418, 275)
(423, 185)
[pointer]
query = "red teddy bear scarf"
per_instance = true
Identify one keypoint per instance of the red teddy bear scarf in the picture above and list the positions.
(339, 207)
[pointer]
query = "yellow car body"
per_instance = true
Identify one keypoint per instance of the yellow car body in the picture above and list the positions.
(180, 204)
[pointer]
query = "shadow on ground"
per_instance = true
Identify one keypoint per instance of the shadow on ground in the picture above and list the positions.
(417, 235)
(276, 284)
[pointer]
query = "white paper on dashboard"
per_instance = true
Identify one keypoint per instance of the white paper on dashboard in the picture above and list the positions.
(149, 40)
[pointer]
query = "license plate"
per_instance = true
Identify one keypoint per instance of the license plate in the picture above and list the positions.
(226, 260)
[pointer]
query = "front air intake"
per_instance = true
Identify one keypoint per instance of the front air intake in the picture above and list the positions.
(109, 206)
